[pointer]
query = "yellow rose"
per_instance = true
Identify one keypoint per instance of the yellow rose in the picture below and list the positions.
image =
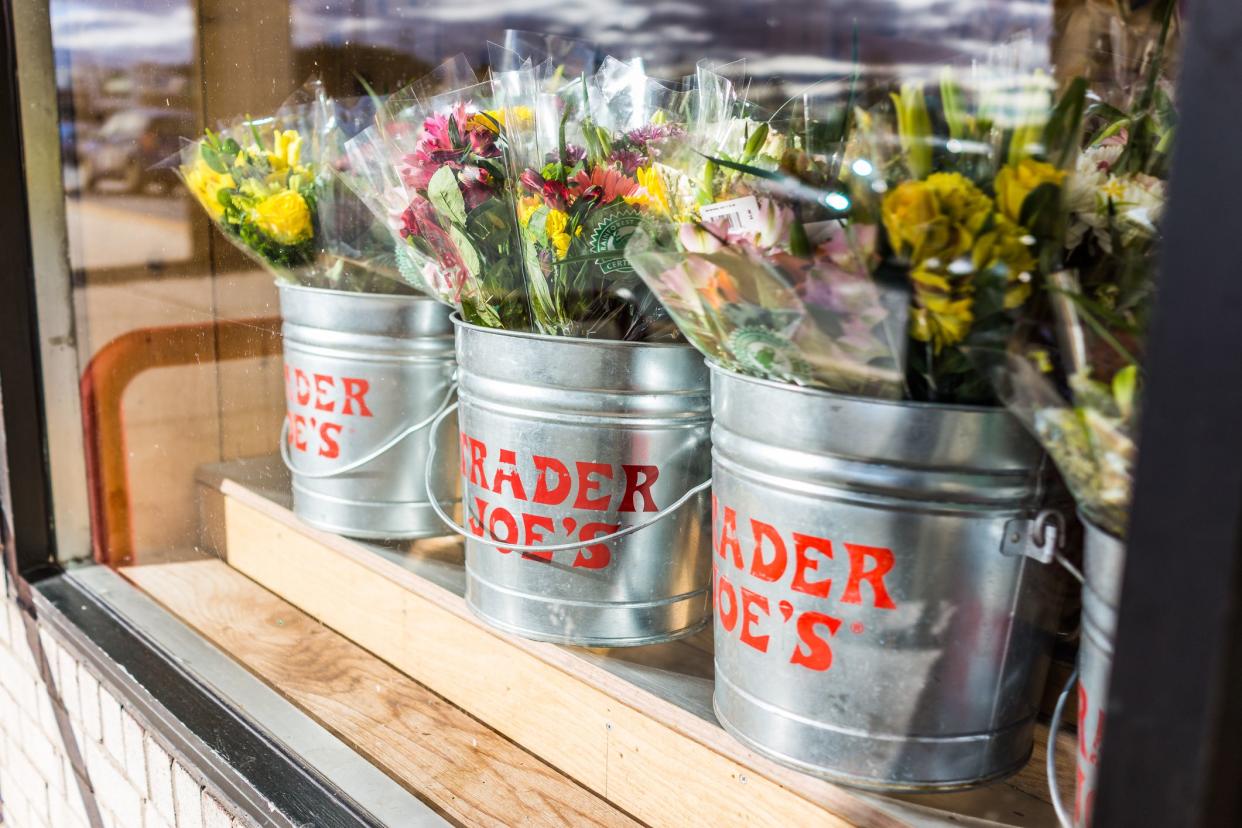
(283, 217)
(206, 185)
(1016, 181)
(561, 243)
(943, 312)
(917, 228)
(526, 208)
(960, 200)
(1007, 245)
(556, 223)
(286, 151)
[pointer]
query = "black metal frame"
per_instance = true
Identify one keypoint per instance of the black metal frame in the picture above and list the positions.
(1172, 752)
(1172, 755)
(25, 493)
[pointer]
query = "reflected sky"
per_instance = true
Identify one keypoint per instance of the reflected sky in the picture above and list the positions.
(787, 37)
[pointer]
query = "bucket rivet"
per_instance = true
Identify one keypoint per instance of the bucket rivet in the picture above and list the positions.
(1015, 537)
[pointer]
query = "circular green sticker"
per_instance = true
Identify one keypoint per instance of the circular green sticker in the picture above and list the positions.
(610, 236)
(764, 352)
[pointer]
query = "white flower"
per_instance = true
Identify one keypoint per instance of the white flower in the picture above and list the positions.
(1097, 198)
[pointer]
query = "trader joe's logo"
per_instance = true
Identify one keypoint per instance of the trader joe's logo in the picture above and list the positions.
(610, 236)
(760, 567)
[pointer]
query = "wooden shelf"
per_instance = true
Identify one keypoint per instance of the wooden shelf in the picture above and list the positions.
(633, 726)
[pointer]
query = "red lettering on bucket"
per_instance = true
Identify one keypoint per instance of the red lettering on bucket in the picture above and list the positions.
(784, 565)
(329, 448)
(587, 486)
(804, 564)
(874, 575)
(1088, 754)
(726, 614)
(355, 392)
(550, 481)
(510, 476)
(728, 537)
(818, 653)
(763, 569)
(322, 394)
(555, 495)
(597, 555)
(534, 526)
(750, 600)
(638, 481)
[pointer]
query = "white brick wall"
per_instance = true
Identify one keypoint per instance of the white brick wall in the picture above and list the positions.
(131, 778)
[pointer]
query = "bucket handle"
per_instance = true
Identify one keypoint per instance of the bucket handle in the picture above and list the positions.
(1050, 764)
(560, 547)
(387, 446)
(1041, 538)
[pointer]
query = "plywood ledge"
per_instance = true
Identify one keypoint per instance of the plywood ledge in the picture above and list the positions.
(632, 726)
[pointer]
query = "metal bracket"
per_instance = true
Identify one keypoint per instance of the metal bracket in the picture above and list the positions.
(1039, 538)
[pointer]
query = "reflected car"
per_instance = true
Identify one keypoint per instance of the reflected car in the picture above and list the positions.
(129, 145)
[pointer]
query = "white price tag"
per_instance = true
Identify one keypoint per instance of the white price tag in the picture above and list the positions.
(740, 213)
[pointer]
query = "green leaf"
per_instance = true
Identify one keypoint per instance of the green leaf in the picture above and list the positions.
(1041, 211)
(1061, 133)
(212, 158)
(469, 256)
(758, 172)
(446, 197)
(799, 243)
(951, 103)
(914, 128)
(1125, 386)
(755, 143)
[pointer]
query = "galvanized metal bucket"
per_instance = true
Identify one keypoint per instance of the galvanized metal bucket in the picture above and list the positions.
(880, 619)
(1103, 564)
(584, 467)
(365, 374)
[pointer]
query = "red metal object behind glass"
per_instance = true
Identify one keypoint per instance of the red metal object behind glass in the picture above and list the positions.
(103, 386)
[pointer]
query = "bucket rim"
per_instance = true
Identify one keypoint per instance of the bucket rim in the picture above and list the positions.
(809, 391)
(1087, 521)
(353, 294)
(459, 322)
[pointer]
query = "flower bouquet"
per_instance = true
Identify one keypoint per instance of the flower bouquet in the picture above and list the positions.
(862, 243)
(267, 185)
(1076, 380)
(598, 153)
(433, 168)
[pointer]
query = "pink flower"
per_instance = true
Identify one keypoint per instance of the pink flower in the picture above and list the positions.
(612, 184)
(701, 238)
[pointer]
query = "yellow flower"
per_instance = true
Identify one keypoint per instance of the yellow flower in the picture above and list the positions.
(561, 243)
(286, 151)
(917, 227)
(960, 200)
(492, 119)
(557, 221)
(1016, 181)
(526, 208)
(206, 184)
(1007, 245)
(651, 194)
(283, 217)
(943, 312)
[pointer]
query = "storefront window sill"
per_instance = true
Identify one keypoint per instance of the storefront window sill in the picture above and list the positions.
(634, 726)
(263, 753)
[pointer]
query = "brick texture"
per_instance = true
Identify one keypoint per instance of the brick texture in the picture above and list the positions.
(124, 772)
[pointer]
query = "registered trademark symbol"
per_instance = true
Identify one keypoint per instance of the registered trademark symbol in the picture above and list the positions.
(856, 627)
